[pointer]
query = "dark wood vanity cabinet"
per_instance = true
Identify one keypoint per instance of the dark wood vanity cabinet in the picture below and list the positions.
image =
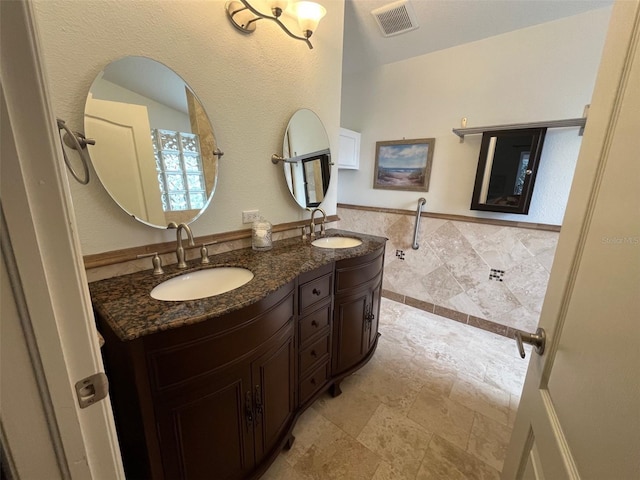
(229, 425)
(356, 311)
(210, 400)
(219, 398)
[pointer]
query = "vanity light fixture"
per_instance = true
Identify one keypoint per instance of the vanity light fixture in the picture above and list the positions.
(244, 16)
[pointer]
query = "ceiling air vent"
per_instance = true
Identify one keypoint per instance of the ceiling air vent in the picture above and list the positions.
(395, 18)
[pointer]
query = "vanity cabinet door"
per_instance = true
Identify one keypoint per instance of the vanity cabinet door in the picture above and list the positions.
(373, 317)
(350, 332)
(228, 425)
(207, 432)
(356, 311)
(273, 376)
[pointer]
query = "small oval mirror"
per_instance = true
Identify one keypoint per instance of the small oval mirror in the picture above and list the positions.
(308, 166)
(154, 150)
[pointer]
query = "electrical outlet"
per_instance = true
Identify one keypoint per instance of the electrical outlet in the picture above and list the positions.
(250, 216)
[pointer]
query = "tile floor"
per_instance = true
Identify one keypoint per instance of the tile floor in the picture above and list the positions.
(437, 401)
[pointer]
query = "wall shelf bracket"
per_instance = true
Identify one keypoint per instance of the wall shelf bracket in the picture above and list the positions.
(569, 122)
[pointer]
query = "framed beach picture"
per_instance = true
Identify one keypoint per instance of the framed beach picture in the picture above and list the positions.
(404, 164)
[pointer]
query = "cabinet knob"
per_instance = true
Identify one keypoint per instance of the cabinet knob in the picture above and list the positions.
(312, 381)
(313, 353)
(314, 323)
(317, 292)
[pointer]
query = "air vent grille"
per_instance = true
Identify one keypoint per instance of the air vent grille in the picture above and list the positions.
(395, 18)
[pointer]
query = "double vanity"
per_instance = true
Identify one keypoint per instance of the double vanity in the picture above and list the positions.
(212, 387)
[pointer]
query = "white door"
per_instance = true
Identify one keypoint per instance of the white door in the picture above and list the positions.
(124, 158)
(50, 286)
(579, 415)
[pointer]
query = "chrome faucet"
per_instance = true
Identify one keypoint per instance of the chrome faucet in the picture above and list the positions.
(180, 248)
(312, 227)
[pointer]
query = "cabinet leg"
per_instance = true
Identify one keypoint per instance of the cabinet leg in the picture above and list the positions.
(289, 443)
(335, 389)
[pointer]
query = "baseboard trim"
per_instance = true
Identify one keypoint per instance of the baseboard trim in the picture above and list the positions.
(460, 317)
(456, 218)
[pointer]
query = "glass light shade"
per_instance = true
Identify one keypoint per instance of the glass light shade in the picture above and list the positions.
(309, 15)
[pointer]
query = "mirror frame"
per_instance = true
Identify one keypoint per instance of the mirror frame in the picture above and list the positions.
(200, 123)
(537, 136)
(324, 157)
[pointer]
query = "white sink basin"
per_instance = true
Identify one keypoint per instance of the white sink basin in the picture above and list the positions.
(336, 242)
(202, 284)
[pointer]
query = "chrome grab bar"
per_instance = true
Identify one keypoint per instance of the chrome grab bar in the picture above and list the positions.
(421, 202)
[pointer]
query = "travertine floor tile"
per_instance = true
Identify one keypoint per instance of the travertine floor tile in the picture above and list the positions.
(483, 398)
(281, 470)
(312, 428)
(509, 378)
(489, 440)
(396, 439)
(439, 414)
(343, 458)
(385, 386)
(437, 401)
(350, 411)
(389, 472)
(445, 461)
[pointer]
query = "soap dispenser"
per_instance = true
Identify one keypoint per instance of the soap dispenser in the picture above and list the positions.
(261, 235)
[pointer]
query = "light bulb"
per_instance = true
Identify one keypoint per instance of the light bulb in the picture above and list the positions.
(309, 15)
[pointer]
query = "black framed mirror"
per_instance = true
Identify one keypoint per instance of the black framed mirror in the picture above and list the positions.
(507, 169)
(155, 151)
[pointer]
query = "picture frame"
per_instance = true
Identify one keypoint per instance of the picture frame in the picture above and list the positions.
(404, 164)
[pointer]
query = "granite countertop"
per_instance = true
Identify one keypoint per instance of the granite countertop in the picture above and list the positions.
(125, 304)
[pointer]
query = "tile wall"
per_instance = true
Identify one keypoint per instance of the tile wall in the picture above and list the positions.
(451, 272)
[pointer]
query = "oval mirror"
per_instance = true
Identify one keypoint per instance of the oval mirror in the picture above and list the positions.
(307, 168)
(155, 152)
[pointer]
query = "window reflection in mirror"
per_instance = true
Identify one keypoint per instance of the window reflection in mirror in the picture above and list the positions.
(507, 170)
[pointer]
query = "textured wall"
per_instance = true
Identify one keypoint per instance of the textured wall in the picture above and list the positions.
(249, 85)
(546, 72)
(451, 267)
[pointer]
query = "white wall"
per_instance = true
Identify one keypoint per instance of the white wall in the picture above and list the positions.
(160, 115)
(250, 86)
(546, 72)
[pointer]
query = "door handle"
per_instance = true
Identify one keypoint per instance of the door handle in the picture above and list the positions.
(258, 403)
(248, 410)
(537, 340)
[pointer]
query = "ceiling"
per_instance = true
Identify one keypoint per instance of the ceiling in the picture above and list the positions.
(444, 24)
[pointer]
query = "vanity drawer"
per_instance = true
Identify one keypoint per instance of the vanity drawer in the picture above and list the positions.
(314, 323)
(354, 273)
(185, 354)
(314, 382)
(313, 353)
(315, 291)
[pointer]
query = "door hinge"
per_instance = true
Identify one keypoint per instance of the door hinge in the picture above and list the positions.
(92, 389)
